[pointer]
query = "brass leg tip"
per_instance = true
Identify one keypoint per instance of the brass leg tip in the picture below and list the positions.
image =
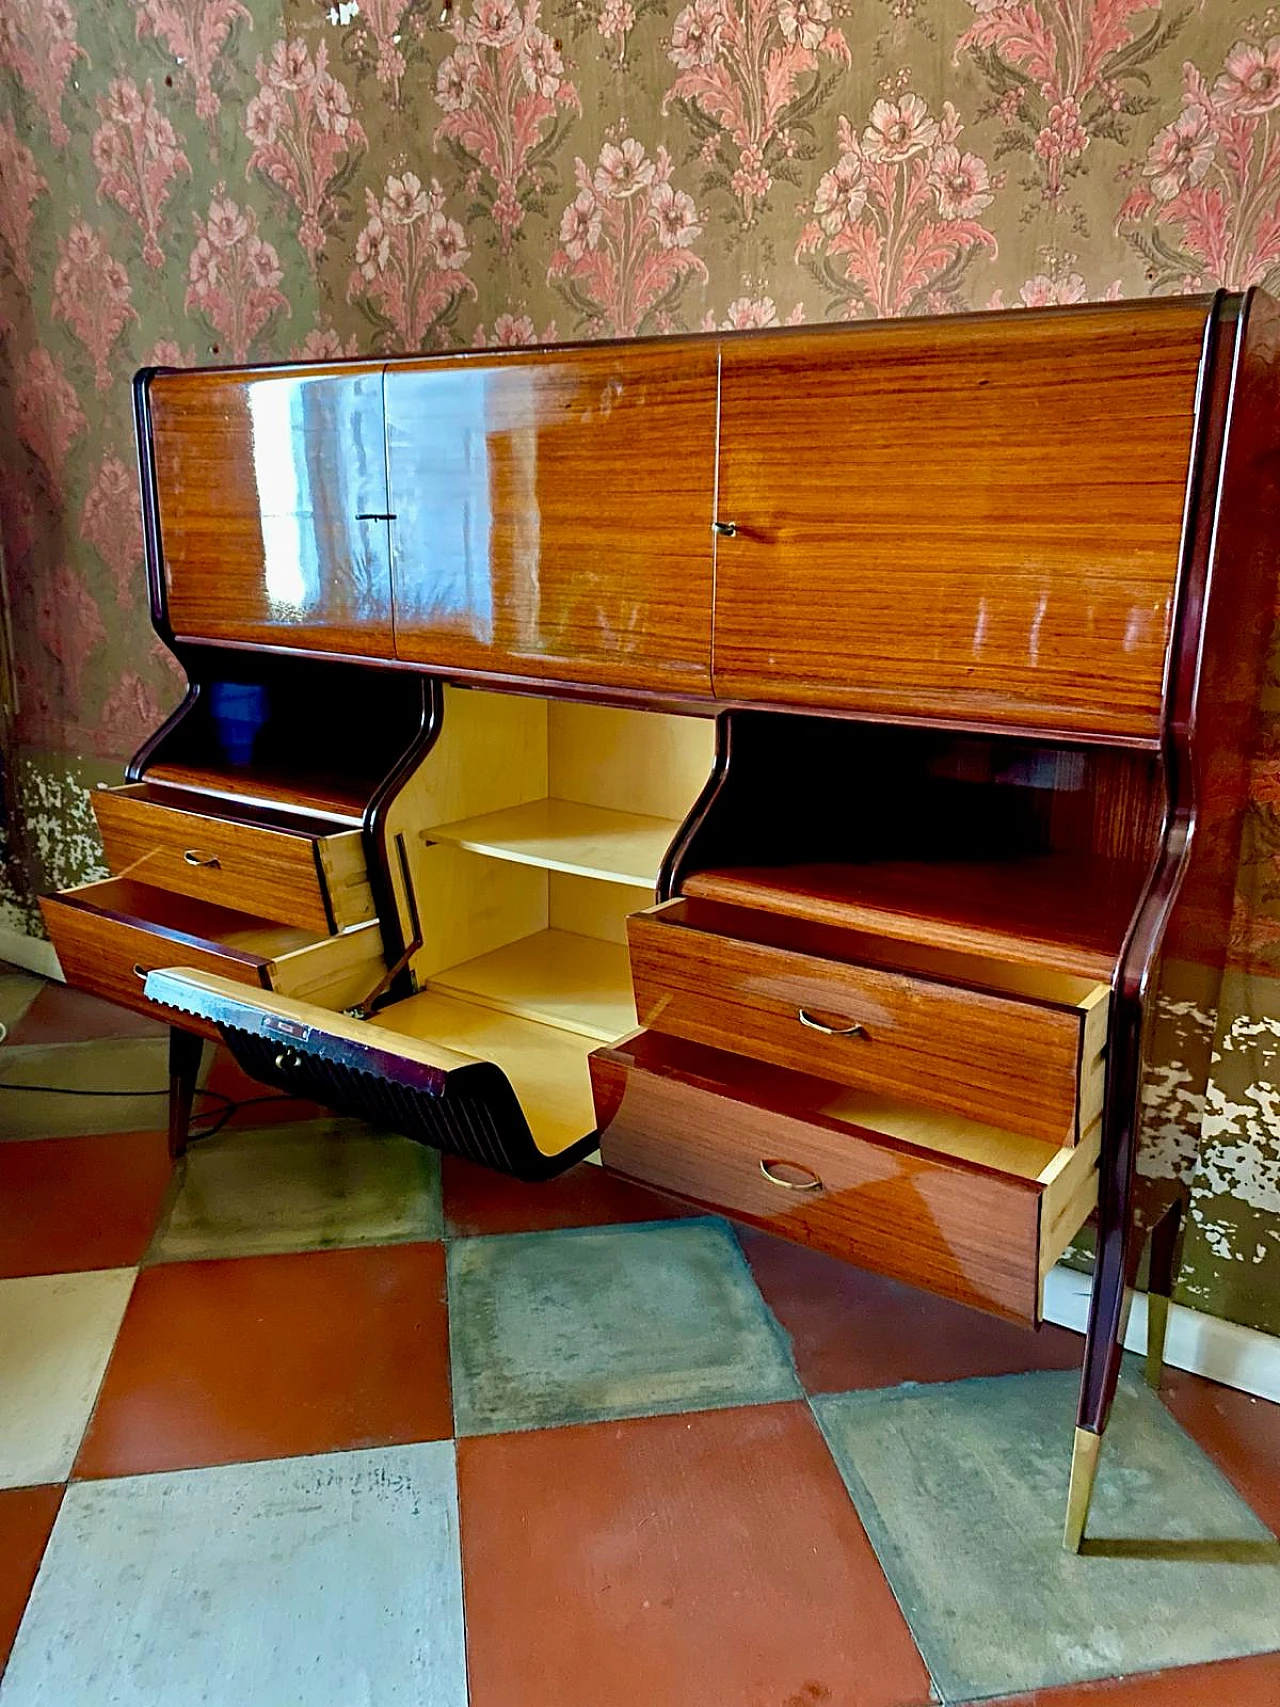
(1084, 1467)
(1157, 1329)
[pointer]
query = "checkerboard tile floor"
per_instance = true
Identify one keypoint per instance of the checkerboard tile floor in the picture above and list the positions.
(313, 1419)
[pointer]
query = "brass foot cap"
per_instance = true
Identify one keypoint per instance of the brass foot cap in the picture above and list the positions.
(1084, 1467)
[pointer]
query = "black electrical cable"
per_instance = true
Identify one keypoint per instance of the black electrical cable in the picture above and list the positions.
(220, 1116)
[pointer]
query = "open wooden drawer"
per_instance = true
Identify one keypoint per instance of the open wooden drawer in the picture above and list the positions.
(507, 1093)
(1018, 1046)
(969, 1211)
(110, 935)
(294, 867)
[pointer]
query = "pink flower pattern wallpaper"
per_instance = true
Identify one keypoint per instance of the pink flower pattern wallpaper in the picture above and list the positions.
(204, 181)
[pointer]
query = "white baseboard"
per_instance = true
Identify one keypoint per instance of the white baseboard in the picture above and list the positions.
(1205, 1345)
(32, 953)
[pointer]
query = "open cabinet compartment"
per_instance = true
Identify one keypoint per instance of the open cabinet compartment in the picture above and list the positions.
(520, 960)
(877, 1006)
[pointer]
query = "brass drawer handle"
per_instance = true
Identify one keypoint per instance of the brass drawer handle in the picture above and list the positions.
(813, 1183)
(806, 1018)
(287, 1059)
(140, 971)
(193, 856)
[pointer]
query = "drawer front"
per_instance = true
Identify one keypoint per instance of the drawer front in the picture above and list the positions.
(1015, 1064)
(111, 957)
(317, 882)
(965, 1232)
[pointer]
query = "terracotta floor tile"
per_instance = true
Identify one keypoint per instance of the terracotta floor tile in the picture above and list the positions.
(26, 1517)
(60, 1014)
(272, 1357)
(266, 1105)
(675, 1560)
(1240, 1433)
(71, 1204)
(853, 1329)
(1253, 1682)
(478, 1201)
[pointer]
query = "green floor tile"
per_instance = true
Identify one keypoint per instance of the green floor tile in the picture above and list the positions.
(304, 1185)
(961, 1487)
(17, 992)
(118, 1064)
(586, 1324)
(332, 1581)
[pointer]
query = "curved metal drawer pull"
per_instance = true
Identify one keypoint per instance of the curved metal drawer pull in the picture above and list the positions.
(139, 971)
(806, 1018)
(286, 1059)
(193, 856)
(813, 1183)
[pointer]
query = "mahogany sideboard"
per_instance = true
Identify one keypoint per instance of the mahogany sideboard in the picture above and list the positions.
(798, 764)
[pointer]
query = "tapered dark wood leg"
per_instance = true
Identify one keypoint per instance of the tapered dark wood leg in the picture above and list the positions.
(1164, 1262)
(1115, 1268)
(186, 1051)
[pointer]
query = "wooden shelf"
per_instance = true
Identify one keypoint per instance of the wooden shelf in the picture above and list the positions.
(576, 983)
(562, 835)
(334, 797)
(546, 1065)
(1068, 912)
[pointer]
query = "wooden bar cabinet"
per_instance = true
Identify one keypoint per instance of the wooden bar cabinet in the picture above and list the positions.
(796, 764)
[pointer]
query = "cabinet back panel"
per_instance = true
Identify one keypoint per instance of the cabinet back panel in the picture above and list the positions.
(977, 519)
(628, 761)
(553, 514)
(262, 481)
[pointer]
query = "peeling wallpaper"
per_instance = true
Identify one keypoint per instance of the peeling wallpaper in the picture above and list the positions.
(217, 180)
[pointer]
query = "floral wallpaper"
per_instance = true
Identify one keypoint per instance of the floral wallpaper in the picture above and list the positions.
(225, 180)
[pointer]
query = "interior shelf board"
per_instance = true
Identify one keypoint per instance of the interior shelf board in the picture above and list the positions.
(1064, 911)
(547, 1066)
(576, 983)
(563, 835)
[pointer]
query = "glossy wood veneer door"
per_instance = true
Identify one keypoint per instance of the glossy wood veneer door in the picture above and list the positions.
(975, 518)
(553, 514)
(272, 499)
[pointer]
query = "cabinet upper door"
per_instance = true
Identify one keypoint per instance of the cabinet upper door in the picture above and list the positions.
(553, 513)
(976, 519)
(271, 491)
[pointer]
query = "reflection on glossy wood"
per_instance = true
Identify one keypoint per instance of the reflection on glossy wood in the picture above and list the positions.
(698, 1123)
(262, 481)
(553, 514)
(975, 518)
(1014, 1063)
